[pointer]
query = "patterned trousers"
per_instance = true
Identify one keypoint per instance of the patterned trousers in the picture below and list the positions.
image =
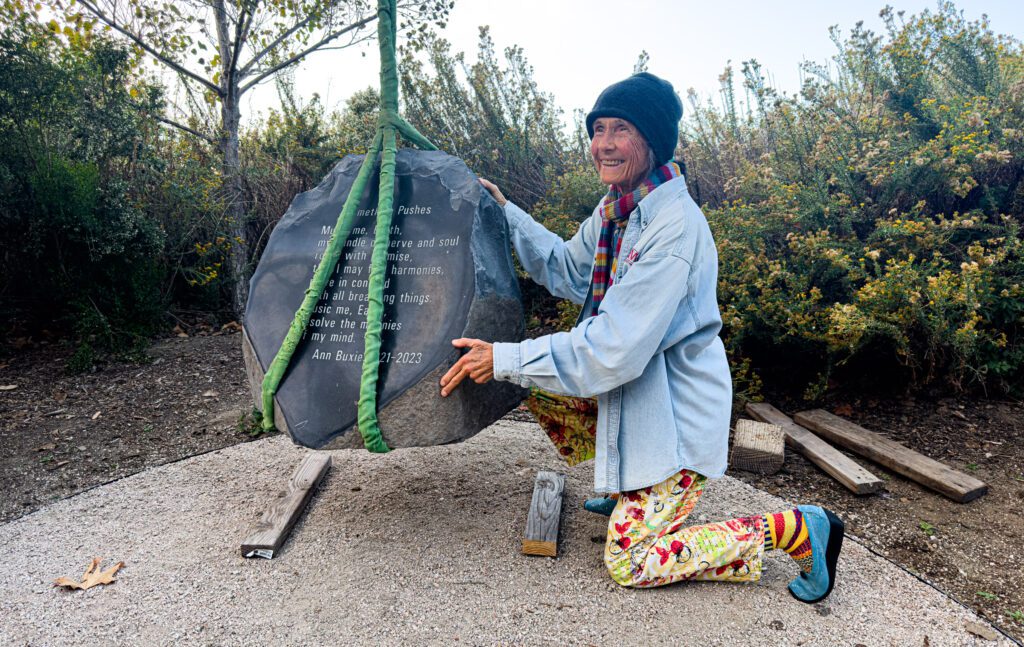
(647, 543)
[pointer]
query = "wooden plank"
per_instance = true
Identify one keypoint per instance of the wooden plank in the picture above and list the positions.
(758, 447)
(928, 472)
(267, 536)
(832, 461)
(545, 512)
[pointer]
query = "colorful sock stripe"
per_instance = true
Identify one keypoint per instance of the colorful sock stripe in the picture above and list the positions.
(788, 532)
(615, 210)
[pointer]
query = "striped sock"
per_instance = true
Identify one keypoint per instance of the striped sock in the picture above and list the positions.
(786, 531)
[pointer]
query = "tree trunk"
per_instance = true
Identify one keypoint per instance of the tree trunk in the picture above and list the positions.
(236, 212)
(230, 170)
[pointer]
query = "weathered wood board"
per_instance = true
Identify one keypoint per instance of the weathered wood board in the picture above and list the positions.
(545, 513)
(833, 462)
(917, 467)
(268, 535)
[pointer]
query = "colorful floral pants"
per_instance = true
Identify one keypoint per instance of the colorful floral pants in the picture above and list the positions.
(647, 544)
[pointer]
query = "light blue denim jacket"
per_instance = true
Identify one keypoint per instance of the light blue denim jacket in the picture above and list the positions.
(652, 355)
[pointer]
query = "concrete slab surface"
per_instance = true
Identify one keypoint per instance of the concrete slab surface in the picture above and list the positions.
(418, 546)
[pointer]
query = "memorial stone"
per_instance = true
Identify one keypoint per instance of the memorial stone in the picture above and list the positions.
(449, 275)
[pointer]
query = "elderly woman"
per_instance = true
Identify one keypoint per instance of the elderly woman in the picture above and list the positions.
(645, 268)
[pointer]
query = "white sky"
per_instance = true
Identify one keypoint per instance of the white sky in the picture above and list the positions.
(578, 47)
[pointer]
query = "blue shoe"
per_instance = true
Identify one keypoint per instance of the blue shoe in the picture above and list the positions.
(601, 505)
(825, 531)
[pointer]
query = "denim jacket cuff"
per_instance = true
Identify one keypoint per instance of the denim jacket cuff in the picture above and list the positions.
(514, 215)
(507, 363)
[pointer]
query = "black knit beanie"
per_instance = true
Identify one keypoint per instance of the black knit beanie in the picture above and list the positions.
(649, 103)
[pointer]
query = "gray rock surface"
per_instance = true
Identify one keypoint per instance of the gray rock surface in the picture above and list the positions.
(418, 546)
(450, 275)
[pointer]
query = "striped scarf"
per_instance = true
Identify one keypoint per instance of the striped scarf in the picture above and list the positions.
(615, 210)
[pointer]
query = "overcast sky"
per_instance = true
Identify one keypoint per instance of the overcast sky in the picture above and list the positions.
(577, 47)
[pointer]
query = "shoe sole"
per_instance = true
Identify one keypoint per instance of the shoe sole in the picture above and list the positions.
(836, 531)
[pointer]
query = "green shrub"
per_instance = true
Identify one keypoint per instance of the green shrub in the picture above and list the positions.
(79, 253)
(869, 229)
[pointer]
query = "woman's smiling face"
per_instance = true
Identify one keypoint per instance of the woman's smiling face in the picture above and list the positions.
(620, 153)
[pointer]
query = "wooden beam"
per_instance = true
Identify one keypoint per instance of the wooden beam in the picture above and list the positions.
(836, 464)
(545, 512)
(758, 447)
(928, 472)
(267, 536)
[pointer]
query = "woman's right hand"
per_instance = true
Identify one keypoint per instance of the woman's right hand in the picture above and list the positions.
(495, 192)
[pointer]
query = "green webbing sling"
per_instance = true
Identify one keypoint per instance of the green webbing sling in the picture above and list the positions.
(384, 143)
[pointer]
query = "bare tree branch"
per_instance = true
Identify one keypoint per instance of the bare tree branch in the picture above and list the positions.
(96, 11)
(171, 122)
(309, 50)
(237, 49)
(277, 41)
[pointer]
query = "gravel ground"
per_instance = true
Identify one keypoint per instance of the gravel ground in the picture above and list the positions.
(419, 546)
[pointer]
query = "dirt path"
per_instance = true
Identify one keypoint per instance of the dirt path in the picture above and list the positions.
(63, 433)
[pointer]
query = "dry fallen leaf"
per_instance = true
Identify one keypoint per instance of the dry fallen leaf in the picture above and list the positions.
(231, 326)
(210, 394)
(179, 332)
(95, 415)
(92, 576)
(843, 410)
(8, 387)
(60, 396)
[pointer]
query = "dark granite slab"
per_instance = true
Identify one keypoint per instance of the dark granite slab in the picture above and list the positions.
(449, 275)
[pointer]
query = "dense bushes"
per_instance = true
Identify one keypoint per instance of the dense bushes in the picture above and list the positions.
(78, 252)
(869, 229)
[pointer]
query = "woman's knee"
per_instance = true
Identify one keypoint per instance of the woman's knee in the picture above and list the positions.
(621, 571)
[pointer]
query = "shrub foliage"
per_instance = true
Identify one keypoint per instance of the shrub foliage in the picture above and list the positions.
(869, 228)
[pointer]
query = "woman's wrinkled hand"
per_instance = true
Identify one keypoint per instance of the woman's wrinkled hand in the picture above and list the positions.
(495, 192)
(477, 364)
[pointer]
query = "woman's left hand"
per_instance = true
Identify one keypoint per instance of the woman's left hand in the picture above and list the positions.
(477, 364)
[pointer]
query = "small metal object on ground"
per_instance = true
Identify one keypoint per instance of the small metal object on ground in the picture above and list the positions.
(545, 512)
(835, 463)
(917, 467)
(758, 447)
(267, 536)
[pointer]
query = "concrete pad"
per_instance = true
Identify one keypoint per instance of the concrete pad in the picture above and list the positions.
(418, 546)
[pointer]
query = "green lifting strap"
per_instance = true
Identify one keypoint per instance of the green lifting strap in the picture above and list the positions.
(384, 142)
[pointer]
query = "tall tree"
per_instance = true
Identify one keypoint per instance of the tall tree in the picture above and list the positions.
(224, 48)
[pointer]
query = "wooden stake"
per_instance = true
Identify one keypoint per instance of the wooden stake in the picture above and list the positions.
(545, 512)
(917, 467)
(836, 464)
(267, 536)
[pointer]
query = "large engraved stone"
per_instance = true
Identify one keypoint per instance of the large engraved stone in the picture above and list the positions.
(449, 275)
